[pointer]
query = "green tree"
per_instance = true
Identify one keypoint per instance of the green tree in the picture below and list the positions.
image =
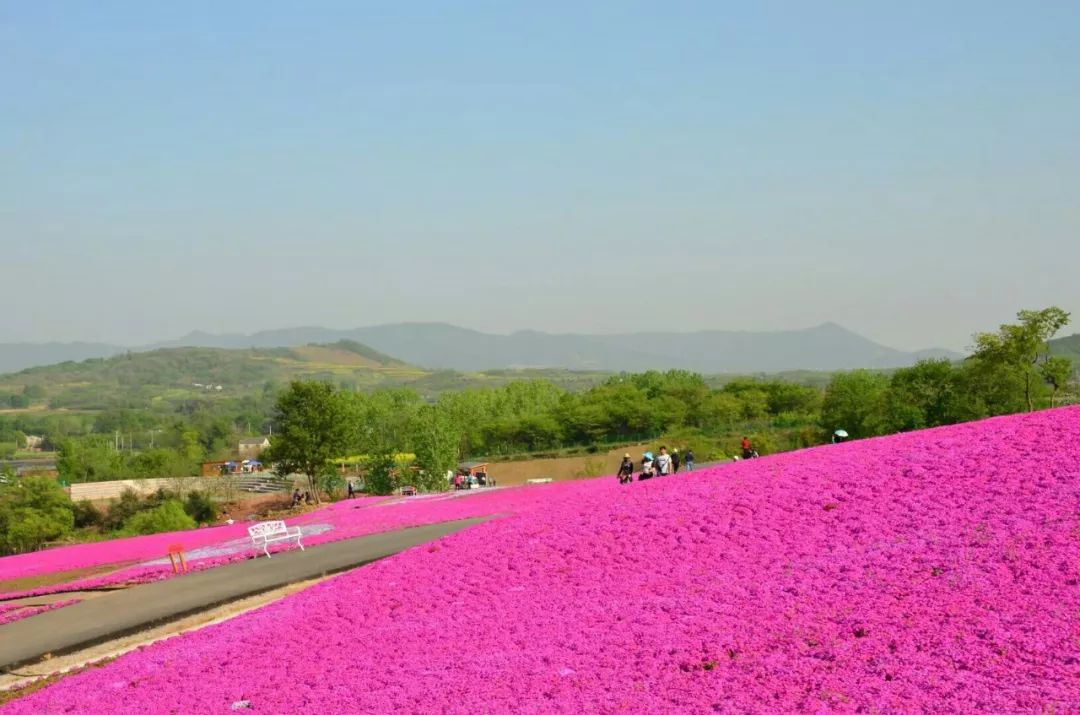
(856, 402)
(924, 395)
(380, 476)
(33, 511)
(438, 441)
(314, 427)
(1056, 372)
(1018, 348)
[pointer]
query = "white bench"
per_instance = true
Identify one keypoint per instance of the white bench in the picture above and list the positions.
(267, 532)
(541, 480)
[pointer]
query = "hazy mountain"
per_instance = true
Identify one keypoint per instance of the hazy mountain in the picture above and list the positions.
(439, 345)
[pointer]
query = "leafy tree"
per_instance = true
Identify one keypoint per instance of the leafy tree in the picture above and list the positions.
(33, 511)
(379, 473)
(314, 427)
(438, 441)
(1018, 347)
(1056, 372)
(856, 402)
(924, 395)
(720, 412)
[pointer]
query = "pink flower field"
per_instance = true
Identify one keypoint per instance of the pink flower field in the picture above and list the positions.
(931, 572)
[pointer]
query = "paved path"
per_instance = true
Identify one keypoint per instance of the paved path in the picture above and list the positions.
(116, 614)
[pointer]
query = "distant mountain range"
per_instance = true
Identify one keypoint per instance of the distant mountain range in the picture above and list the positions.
(442, 346)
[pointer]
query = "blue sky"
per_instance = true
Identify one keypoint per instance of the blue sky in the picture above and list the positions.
(909, 170)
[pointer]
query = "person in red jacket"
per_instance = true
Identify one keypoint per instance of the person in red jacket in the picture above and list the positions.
(747, 449)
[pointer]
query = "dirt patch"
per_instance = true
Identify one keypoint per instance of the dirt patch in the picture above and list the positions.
(52, 579)
(562, 469)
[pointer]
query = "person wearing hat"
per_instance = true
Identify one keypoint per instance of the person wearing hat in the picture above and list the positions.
(626, 470)
(646, 467)
(675, 460)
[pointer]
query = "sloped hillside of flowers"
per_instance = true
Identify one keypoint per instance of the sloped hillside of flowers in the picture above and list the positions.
(930, 572)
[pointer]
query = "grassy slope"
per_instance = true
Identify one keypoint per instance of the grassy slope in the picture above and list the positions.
(171, 375)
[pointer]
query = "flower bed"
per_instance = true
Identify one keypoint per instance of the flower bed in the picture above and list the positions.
(341, 520)
(928, 572)
(129, 549)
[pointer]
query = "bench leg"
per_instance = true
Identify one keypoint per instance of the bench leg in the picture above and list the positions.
(299, 544)
(266, 549)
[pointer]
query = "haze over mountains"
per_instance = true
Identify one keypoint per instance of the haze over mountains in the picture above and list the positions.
(443, 346)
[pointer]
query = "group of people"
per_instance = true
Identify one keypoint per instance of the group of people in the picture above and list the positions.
(660, 465)
(471, 480)
(297, 498)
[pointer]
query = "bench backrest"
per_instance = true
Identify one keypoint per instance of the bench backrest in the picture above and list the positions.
(267, 528)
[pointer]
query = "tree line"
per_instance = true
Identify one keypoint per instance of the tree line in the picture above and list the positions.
(1009, 371)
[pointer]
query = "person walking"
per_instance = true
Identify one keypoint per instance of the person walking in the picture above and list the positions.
(352, 489)
(675, 461)
(747, 448)
(646, 467)
(689, 460)
(626, 470)
(663, 463)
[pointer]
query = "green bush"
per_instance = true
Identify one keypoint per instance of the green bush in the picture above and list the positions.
(33, 511)
(121, 510)
(86, 514)
(169, 516)
(200, 507)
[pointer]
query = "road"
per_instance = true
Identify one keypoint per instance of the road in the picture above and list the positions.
(130, 610)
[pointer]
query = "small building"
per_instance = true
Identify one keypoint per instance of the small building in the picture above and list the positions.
(252, 447)
(470, 469)
(223, 469)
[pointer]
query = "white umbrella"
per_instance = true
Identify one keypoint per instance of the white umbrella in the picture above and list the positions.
(840, 433)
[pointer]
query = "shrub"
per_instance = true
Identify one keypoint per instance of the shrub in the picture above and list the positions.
(169, 516)
(86, 514)
(121, 510)
(200, 507)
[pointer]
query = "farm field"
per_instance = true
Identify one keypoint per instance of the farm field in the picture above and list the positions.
(934, 571)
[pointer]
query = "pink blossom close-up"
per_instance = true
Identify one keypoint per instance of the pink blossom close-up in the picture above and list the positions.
(928, 572)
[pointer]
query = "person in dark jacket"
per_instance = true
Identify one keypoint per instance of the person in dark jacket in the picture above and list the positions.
(689, 460)
(676, 460)
(626, 470)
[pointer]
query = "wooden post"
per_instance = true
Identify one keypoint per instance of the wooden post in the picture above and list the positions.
(176, 558)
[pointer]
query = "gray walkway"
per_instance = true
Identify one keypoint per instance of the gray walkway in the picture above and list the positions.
(130, 610)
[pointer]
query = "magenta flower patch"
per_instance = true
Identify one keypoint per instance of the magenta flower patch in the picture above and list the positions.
(931, 572)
